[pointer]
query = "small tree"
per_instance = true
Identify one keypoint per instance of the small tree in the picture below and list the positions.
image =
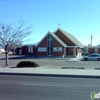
(13, 35)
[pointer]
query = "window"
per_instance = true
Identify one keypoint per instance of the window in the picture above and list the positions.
(57, 49)
(96, 50)
(49, 37)
(94, 55)
(49, 45)
(30, 49)
(41, 49)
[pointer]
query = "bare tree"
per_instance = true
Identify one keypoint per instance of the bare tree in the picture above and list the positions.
(13, 35)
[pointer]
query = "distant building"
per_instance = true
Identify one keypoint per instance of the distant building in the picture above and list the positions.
(91, 49)
(89, 44)
(58, 43)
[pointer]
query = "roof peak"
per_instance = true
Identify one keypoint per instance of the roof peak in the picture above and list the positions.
(71, 37)
(59, 28)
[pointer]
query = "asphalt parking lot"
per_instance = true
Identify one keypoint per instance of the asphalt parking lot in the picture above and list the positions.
(51, 62)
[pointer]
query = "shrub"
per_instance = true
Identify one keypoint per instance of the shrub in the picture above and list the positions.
(27, 64)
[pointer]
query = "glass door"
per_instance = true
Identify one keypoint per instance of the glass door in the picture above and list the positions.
(49, 51)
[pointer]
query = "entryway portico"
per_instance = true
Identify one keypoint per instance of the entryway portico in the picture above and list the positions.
(70, 51)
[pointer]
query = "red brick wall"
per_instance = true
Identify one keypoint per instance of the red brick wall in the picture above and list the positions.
(17, 51)
(42, 53)
(25, 50)
(57, 44)
(98, 50)
(34, 50)
(64, 38)
(42, 44)
(69, 51)
(91, 50)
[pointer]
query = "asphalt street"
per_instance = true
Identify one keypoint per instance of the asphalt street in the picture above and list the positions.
(46, 88)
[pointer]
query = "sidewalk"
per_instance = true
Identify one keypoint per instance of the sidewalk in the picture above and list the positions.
(75, 59)
(60, 72)
(51, 72)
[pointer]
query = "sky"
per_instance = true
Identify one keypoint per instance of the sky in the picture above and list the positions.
(81, 18)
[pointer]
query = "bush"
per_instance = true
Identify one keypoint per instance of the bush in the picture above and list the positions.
(27, 64)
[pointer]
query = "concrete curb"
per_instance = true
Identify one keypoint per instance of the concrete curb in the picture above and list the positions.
(75, 73)
(49, 75)
(72, 61)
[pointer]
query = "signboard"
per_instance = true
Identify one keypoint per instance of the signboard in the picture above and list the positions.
(41, 49)
(57, 49)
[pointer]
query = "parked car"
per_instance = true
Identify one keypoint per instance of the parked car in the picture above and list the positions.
(94, 56)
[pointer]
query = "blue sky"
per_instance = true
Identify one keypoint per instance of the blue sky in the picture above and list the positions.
(78, 17)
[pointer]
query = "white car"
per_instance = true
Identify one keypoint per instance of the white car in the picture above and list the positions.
(91, 57)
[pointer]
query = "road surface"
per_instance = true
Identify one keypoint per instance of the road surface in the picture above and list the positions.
(46, 88)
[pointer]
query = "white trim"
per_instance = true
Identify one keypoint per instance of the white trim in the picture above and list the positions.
(42, 39)
(57, 30)
(64, 52)
(92, 47)
(68, 37)
(65, 35)
(63, 44)
(74, 52)
(71, 46)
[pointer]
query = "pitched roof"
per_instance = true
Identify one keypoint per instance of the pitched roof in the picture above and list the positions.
(53, 35)
(30, 44)
(71, 37)
(59, 40)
